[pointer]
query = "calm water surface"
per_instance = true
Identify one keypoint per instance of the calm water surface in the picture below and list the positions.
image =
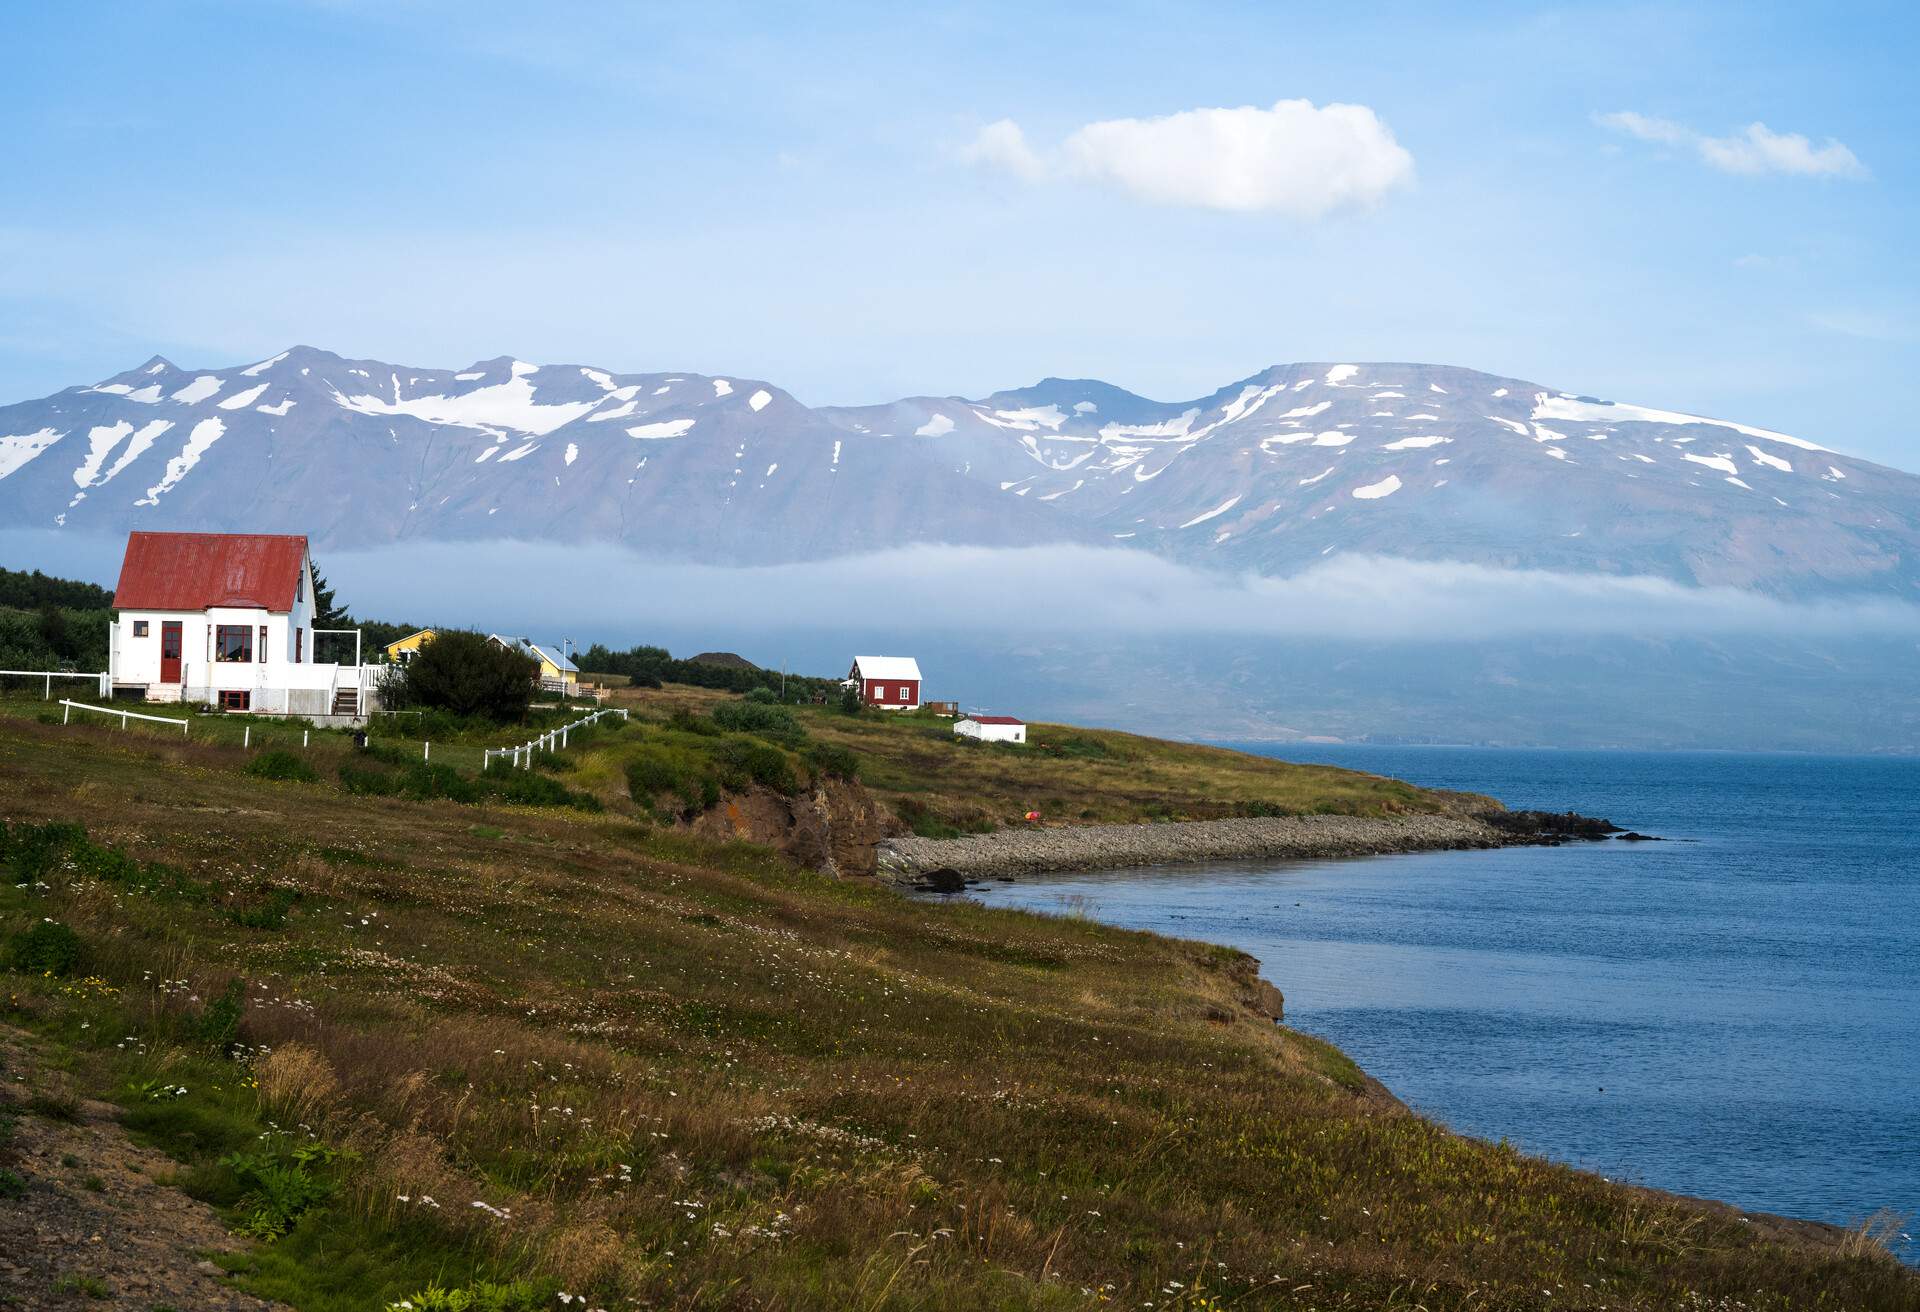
(1736, 1016)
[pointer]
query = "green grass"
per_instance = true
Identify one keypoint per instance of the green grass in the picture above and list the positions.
(941, 786)
(687, 1075)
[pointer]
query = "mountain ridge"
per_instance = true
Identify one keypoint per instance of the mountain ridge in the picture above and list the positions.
(1267, 474)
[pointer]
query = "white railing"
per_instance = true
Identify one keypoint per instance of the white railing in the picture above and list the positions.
(71, 707)
(548, 741)
(48, 676)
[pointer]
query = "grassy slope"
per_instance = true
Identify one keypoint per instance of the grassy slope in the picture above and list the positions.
(699, 1078)
(1073, 775)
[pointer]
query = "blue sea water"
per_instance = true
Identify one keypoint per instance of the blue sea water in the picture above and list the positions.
(1732, 1013)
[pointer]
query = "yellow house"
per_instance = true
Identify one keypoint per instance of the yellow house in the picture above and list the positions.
(402, 651)
(557, 673)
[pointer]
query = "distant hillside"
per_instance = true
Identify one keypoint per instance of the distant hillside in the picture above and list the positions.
(1268, 473)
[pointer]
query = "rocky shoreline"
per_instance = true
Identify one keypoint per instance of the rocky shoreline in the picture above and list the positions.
(946, 864)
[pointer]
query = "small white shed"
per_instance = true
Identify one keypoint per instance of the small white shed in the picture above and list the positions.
(991, 728)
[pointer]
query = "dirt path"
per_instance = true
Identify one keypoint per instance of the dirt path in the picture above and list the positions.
(95, 1228)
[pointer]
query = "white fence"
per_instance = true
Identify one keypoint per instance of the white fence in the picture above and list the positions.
(551, 739)
(71, 707)
(48, 676)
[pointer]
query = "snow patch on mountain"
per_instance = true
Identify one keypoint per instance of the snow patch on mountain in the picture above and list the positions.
(240, 400)
(1547, 406)
(204, 435)
(16, 451)
(1218, 510)
(508, 405)
(199, 389)
(1386, 487)
(1178, 426)
(665, 428)
(100, 444)
(1723, 463)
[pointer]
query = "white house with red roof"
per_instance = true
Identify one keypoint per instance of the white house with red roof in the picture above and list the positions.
(891, 683)
(991, 728)
(227, 619)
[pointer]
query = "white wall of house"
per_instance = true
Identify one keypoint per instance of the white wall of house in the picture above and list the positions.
(990, 733)
(281, 675)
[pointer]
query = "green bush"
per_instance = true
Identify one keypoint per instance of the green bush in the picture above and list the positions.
(363, 782)
(667, 768)
(833, 759)
(850, 703)
(481, 1296)
(283, 765)
(687, 722)
(467, 674)
(524, 788)
(774, 722)
(751, 762)
(48, 948)
(279, 1187)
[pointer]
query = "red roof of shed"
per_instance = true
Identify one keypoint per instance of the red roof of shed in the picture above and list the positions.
(193, 571)
(995, 719)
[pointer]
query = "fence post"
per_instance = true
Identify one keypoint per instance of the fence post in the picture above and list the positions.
(303, 737)
(48, 694)
(246, 737)
(123, 719)
(426, 751)
(66, 712)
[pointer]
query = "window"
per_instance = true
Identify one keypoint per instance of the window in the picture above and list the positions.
(300, 585)
(139, 628)
(236, 699)
(299, 645)
(233, 642)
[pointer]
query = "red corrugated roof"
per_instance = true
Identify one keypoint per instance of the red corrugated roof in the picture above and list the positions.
(192, 571)
(995, 719)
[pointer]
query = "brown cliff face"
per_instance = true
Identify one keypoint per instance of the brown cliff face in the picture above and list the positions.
(836, 827)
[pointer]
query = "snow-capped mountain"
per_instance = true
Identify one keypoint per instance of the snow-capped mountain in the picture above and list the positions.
(1431, 462)
(361, 452)
(1269, 473)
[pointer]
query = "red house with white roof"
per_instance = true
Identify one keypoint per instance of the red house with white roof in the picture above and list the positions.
(891, 683)
(226, 619)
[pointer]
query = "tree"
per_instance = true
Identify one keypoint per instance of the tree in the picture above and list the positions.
(465, 673)
(327, 611)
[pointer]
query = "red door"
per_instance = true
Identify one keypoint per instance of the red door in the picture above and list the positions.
(169, 651)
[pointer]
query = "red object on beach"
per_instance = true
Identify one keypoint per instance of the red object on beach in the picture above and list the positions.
(1033, 815)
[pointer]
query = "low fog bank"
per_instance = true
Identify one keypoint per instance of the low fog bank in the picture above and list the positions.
(616, 596)
(1356, 648)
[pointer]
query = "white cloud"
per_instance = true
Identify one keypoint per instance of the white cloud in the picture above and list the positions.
(1003, 145)
(1753, 151)
(1295, 158)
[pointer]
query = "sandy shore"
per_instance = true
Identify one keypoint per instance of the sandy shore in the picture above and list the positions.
(1107, 847)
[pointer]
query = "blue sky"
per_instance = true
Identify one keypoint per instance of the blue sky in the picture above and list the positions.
(804, 194)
